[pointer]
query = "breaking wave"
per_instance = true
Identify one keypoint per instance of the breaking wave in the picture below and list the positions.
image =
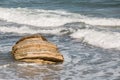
(52, 18)
(28, 30)
(60, 22)
(102, 39)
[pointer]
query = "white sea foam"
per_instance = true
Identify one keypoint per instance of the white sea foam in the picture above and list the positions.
(102, 39)
(34, 17)
(26, 29)
(53, 18)
(27, 64)
(4, 66)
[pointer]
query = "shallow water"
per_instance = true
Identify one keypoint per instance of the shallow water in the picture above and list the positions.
(82, 61)
(87, 33)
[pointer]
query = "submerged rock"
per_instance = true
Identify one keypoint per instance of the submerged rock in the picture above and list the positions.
(36, 49)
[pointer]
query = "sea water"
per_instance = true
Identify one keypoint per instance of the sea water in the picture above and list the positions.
(87, 33)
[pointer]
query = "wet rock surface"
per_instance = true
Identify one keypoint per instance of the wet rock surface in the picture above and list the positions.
(36, 49)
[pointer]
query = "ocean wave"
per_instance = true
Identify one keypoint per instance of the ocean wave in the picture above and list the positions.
(33, 30)
(104, 39)
(51, 18)
(36, 17)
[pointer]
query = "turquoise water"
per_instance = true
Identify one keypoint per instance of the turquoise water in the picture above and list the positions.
(87, 33)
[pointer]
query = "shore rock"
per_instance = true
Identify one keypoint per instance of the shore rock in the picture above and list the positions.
(36, 49)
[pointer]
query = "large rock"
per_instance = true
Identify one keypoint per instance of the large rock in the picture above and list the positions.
(36, 49)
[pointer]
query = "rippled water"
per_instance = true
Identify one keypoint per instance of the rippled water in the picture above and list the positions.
(82, 61)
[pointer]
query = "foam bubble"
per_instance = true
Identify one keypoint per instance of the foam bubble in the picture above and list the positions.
(52, 18)
(102, 39)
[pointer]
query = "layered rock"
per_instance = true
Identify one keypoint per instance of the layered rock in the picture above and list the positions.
(36, 49)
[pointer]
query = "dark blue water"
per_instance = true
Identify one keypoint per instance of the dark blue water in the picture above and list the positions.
(87, 33)
(102, 8)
